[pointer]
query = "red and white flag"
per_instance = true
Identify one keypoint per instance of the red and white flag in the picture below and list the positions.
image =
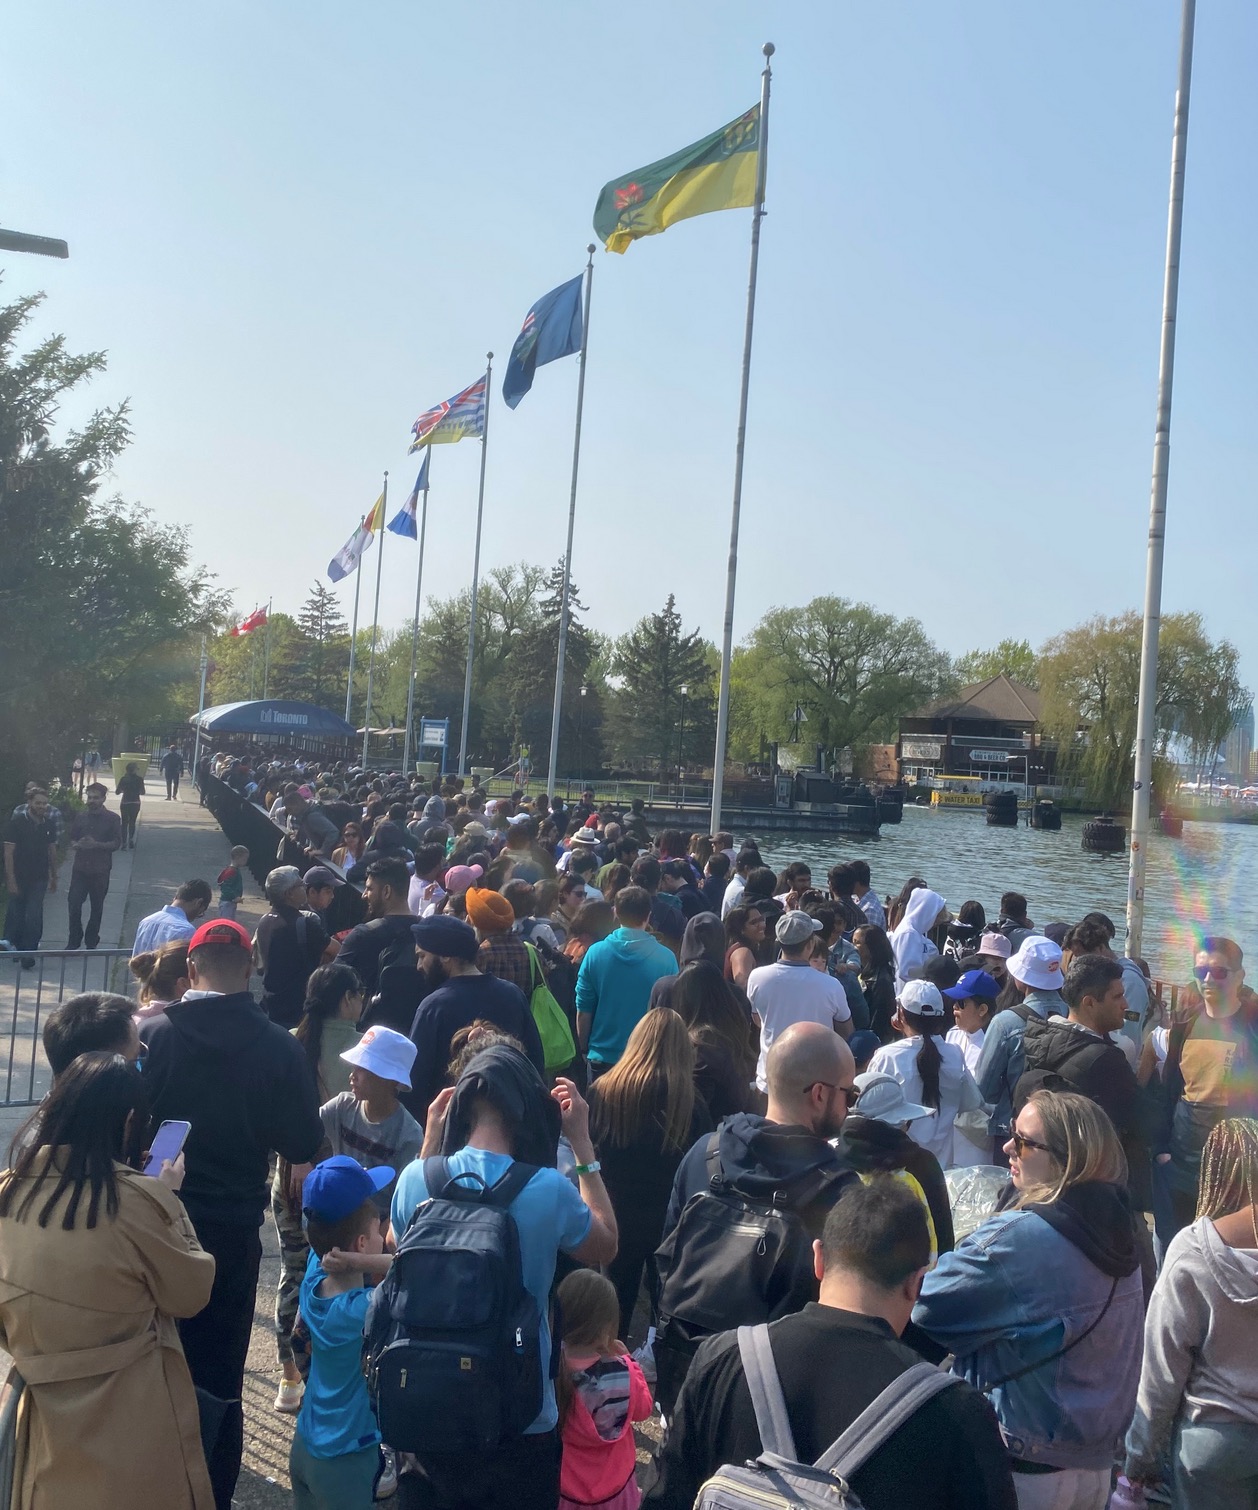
(250, 622)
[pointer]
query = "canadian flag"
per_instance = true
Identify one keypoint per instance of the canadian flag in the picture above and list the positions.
(250, 622)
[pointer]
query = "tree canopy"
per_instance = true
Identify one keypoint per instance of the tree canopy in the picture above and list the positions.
(100, 607)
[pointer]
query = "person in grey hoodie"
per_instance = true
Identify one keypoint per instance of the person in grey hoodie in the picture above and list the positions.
(1199, 1380)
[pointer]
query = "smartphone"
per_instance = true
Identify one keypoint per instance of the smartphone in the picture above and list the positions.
(168, 1144)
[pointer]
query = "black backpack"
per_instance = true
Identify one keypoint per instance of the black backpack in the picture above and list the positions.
(730, 1261)
(399, 985)
(452, 1348)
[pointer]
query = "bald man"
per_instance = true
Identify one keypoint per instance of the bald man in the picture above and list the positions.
(782, 1160)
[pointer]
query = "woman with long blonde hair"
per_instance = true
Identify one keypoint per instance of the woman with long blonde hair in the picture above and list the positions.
(1199, 1382)
(1043, 1304)
(644, 1116)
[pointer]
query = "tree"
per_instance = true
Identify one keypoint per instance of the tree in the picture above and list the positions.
(1013, 658)
(850, 670)
(653, 662)
(1090, 681)
(534, 656)
(100, 609)
(319, 676)
(507, 608)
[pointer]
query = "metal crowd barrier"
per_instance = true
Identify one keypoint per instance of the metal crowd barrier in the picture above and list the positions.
(269, 845)
(30, 994)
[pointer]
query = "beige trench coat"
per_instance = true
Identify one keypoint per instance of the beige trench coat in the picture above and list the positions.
(109, 1417)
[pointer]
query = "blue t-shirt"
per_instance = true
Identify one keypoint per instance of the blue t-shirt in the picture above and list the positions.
(550, 1216)
(335, 1416)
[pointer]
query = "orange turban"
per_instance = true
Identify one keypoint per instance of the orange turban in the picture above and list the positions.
(489, 911)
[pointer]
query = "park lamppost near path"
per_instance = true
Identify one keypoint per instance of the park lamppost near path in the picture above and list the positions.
(681, 747)
(581, 736)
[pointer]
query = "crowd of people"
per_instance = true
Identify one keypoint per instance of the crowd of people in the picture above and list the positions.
(577, 1124)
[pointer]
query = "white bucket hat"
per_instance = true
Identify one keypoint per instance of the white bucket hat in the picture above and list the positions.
(1037, 964)
(385, 1053)
(882, 1098)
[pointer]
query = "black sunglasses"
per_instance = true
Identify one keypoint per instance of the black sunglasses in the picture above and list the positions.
(1212, 972)
(850, 1093)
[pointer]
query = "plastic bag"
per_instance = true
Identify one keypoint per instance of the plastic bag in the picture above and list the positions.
(973, 1191)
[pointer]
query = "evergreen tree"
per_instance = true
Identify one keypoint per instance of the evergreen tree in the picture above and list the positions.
(323, 649)
(534, 656)
(654, 662)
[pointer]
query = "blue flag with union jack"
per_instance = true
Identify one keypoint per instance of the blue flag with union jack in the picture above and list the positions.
(459, 418)
(552, 329)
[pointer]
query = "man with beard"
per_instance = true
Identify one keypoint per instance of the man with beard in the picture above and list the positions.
(369, 947)
(782, 1163)
(458, 994)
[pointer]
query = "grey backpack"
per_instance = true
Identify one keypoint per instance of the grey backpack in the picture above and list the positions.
(775, 1480)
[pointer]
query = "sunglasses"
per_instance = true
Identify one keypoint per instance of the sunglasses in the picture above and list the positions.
(1213, 972)
(1021, 1143)
(850, 1093)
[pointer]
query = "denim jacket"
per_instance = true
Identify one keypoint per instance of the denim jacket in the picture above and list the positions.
(1003, 1058)
(1016, 1290)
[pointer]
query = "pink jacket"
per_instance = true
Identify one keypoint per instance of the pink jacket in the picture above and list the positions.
(594, 1470)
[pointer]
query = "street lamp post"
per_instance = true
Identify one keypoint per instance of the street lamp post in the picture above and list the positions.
(681, 747)
(581, 735)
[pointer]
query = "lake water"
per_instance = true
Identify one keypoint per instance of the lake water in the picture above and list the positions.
(1207, 879)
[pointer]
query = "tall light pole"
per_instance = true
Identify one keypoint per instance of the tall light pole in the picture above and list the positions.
(1146, 713)
(681, 745)
(581, 734)
(40, 246)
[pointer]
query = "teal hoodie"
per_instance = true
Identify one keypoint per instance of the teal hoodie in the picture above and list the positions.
(614, 987)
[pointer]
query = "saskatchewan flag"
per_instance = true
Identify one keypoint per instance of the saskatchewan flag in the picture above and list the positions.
(718, 173)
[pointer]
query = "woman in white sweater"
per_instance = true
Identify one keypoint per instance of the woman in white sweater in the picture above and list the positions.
(1199, 1379)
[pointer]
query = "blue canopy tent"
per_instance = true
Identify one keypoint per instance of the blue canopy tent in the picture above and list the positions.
(269, 716)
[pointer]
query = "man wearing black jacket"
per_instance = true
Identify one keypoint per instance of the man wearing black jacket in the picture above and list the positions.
(1080, 1050)
(833, 1359)
(783, 1159)
(216, 1061)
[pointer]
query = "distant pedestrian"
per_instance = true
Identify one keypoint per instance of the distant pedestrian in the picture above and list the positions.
(95, 835)
(30, 872)
(172, 768)
(130, 788)
(287, 947)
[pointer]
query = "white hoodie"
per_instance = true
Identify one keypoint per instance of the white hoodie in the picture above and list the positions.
(909, 941)
(1200, 1344)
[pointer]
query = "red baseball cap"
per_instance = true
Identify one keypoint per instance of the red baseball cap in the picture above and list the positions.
(220, 931)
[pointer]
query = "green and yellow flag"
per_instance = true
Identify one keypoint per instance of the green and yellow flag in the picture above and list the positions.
(718, 173)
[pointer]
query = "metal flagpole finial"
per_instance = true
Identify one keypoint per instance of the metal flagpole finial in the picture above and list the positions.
(768, 49)
(590, 249)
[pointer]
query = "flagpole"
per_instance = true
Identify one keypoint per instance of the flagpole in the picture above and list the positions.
(419, 584)
(353, 634)
(1146, 715)
(471, 618)
(266, 660)
(727, 639)
(557, 710)
(375, 617)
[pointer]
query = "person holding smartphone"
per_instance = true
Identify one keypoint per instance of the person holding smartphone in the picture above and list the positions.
(96, 1263)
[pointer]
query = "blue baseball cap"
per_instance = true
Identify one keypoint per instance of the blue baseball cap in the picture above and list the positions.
(974, 983)
(340, 1185)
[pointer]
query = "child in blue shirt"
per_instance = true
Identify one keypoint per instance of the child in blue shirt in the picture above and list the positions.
(336, 1454)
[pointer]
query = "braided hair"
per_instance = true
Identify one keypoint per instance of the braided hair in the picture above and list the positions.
(1229, 1169)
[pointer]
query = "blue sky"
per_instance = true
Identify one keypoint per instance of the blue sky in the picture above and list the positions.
(294, 227)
